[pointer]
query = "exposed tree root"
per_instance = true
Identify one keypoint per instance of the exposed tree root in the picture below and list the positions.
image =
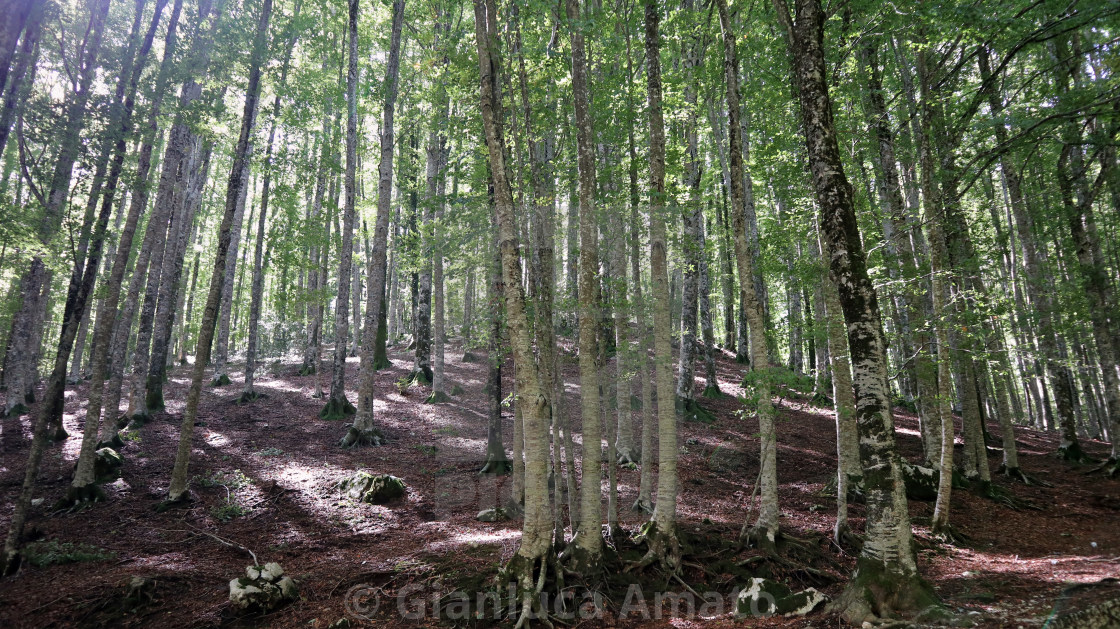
(1018, 474)
(19, 409)
(357, 437)
(59, 434)
(438, 397)
(382, 363)
(950, 535)
(220, 380)
(339, 408)
(627, 456)
(497, 465)
(874, 594)
(306, 369)
(1072, 453)
(664, 547)
(529, 574)
(78, 498)
(420, 377)
(784, 554)
(175, 502)
(645, 506)
(248, 397)
(137, 420)
(1110, 468)
(690, 410)
(1003, 497)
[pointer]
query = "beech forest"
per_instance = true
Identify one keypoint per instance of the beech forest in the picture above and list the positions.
(560, 313)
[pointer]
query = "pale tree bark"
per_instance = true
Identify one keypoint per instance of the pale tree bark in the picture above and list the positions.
(165, 263)
(77, 295)
(221, 350)
(848, 472)
(886, 579)
(941, 316)
(691, 241)
(627, 453)
(364, 431)
(764, 530)
(532, 556)
(587, 546)
(178, 491)
(661, 533)
(122, 328)
(908, 300)
(496, 460)
(249, 393)
(338, 406)
(22, 363)
(707, 332)
(320, 253)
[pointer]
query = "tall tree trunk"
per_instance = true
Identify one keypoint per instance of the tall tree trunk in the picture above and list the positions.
(338, 406)
(886, 578)
(79, 288)
(765, 528)
(587, 546)
(373, 355)
(661, 532)
(249, 393)
(37, 277)
(179, 487)
(532, 556)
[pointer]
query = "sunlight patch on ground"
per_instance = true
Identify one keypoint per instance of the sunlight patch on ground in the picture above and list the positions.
(216, 439)
(474, 538)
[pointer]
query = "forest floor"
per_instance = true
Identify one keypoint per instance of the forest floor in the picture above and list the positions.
(265, 477)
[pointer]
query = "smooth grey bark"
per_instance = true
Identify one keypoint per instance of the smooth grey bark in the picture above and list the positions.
(373, 342)
(249, 392)
(180, 485)
(587, 546)
(764, 530)
(79, 288)
(337, 405)
(531, 557)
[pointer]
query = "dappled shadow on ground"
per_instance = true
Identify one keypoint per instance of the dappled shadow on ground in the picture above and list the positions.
(265, 477)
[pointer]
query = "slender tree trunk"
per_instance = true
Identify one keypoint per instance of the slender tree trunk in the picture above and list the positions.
(249, 393)
(337, 405)
(765, 528)
(587, 547)
(887, 570)
(531, 557)
(179, 486)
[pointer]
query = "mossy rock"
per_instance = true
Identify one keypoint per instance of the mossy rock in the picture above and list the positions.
(107, 465)
(377, 489)
(497, 514)
(437, 397)
(263, 589)
(764, 597)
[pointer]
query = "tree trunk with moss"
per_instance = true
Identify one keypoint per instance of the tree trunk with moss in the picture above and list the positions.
(886, 579)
